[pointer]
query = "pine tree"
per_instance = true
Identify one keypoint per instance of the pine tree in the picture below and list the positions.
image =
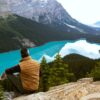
(59, 73)
(44, 75)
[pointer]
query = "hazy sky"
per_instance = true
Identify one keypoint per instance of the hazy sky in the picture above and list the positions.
(85, 11)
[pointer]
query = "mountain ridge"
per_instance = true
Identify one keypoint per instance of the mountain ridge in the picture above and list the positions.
(49, 12)
(53, 24)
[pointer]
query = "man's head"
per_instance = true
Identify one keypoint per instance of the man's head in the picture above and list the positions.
(24, 52)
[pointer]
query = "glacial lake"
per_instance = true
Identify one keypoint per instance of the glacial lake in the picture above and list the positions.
(10, 59)
(49, 50)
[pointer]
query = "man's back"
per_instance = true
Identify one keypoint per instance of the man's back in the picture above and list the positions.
(29, 70)
(29, 73)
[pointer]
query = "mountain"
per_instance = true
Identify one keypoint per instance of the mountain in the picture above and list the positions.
(34, 22)
(48, 12)
(42, 11)
(16, 32)
(79, 65)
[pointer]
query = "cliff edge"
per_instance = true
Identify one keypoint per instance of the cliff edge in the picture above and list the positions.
(83, 89)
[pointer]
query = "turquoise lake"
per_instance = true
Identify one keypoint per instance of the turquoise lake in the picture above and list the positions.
(82, 47)
(10, 59)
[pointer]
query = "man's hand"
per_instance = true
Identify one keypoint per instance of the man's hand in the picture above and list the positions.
(4, 76)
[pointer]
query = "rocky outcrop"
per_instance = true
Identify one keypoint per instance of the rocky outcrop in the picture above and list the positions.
(43, 11)
(49, 12)
(84, 89)
(25, 42)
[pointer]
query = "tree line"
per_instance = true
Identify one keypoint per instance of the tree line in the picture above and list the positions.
(60, 72)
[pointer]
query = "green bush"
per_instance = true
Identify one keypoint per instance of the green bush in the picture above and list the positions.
(44, 75)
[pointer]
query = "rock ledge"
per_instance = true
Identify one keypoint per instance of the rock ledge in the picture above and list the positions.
(83, 89)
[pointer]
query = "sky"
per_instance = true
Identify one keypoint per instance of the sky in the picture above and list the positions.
(85, 11)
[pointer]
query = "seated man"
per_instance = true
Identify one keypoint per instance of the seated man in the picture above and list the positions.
(28, 79)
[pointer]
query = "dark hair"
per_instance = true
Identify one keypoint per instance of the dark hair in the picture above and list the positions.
(24, 52)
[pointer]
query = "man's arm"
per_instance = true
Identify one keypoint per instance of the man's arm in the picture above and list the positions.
(13, 70)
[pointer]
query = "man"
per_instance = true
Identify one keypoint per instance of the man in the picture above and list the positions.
(28, 80)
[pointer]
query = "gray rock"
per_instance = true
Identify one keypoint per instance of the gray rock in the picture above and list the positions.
(8, 95)
(43, 11)
(72, 91)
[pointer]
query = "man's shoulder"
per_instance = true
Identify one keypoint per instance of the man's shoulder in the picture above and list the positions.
(35, 61)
